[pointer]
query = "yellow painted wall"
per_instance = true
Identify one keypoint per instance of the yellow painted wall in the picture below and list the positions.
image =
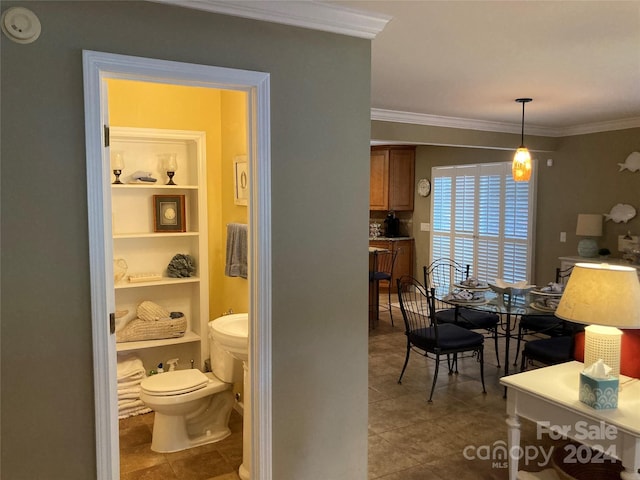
(221, 114)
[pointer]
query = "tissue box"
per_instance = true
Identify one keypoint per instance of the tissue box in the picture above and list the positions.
(599, 393)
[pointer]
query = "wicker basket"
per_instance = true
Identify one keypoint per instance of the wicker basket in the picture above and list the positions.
(138, 329)
(601, 469)
(151, 312)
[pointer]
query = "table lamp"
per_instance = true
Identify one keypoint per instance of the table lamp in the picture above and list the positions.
(589, 225)
(605, 297)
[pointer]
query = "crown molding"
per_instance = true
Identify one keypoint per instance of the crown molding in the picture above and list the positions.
(300, 13)
(487, 126)
(622, 124)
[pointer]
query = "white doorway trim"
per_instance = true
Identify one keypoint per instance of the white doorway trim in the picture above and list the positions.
(97, 67)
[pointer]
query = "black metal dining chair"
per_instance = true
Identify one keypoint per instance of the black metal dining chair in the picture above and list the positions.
(426, 335)
(385, 263)
(546, 324)
(446, 272)
(551, 350)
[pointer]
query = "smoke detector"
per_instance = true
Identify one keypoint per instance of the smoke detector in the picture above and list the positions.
(20, 25)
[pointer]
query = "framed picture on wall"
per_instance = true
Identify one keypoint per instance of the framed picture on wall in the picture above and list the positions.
(241, 176)
(169, 213)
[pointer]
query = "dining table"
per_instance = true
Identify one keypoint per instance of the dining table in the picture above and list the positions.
(508, 302)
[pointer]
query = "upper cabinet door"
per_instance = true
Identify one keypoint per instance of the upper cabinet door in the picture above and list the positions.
(401, 178)
(379, 180)
(392, 178)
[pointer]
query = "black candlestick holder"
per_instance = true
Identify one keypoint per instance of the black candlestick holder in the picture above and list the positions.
(170, 175)
(117, 173)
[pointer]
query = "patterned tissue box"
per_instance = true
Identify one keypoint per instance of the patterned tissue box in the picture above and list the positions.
(598, 393)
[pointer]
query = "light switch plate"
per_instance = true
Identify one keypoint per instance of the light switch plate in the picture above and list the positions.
(563, 237)
(425, 227)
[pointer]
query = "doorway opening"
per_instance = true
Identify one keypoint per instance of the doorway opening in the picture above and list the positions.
(98, 69)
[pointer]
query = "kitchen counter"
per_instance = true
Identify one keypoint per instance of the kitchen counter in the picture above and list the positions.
(389, 239)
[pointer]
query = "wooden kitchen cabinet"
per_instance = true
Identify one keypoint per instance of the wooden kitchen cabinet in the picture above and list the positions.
(392, 178)
(404, 262)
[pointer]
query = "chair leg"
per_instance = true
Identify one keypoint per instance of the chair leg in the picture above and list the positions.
(520, 335)
(481, 354)
(495, 341)
(523, 363)
(389, 303)
(435, 377)
(406, 360)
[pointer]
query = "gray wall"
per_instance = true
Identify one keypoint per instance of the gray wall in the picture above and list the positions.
(584, 178)
(320, 87)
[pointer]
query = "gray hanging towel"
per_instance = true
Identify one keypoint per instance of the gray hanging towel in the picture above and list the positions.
(236, 264)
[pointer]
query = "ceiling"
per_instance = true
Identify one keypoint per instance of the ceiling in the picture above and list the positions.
(578, 60)
(463, 63)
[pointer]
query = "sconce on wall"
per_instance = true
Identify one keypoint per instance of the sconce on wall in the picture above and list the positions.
(521, 166)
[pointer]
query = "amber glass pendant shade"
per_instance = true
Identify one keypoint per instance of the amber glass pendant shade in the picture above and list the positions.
(521, 166)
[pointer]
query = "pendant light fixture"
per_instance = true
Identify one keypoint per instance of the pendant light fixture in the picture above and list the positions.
(521, 166)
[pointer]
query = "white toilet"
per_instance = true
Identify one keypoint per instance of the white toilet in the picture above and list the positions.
(192, 408)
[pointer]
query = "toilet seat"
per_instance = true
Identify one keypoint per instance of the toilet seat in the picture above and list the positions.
(177, 382)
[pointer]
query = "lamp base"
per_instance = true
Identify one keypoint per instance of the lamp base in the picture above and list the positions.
(603, 343)
(588, 248)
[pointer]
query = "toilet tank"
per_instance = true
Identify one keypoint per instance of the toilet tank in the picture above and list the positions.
(223, 365)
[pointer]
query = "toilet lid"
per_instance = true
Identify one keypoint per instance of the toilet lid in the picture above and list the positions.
(174, 383)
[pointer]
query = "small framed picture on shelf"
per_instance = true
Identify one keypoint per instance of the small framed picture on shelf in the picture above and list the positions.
(169, 213)
(241, 192)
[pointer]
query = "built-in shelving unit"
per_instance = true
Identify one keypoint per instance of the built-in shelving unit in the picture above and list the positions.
(147, 251)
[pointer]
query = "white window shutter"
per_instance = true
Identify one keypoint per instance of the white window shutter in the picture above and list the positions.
(482, 218)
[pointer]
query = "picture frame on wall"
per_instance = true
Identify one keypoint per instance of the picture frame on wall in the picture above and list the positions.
(241, 177)
(169, 213)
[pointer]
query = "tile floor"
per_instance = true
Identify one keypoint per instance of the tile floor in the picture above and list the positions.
(216, 461)
(408, 437)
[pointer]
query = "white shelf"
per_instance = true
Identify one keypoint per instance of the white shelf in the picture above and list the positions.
(153, 186)
(155, 283)
(122, 236)
(144, 250)
(188, 337)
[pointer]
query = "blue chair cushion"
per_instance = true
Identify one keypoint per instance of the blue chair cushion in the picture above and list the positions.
(450, 337)
(468, 318)
(548, 324)
(381, 276)
(550, 350)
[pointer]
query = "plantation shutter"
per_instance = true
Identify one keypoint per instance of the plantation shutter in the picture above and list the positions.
(482, 218)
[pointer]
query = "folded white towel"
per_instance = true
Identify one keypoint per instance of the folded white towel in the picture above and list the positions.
(133, 410)
(130, 403)
(129, 368)
(122, 392)
(131, 383)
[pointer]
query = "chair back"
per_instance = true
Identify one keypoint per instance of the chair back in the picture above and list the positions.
(385, 261)
(443, 272)
(562, 276)
(415, 307)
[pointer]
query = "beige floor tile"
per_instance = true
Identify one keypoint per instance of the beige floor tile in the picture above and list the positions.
(409, 438)
(158, 472)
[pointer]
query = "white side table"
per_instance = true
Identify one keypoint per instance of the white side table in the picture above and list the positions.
(549, 397)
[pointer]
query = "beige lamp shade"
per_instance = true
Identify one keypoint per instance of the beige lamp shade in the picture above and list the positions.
(602, 294)
(589, 225)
